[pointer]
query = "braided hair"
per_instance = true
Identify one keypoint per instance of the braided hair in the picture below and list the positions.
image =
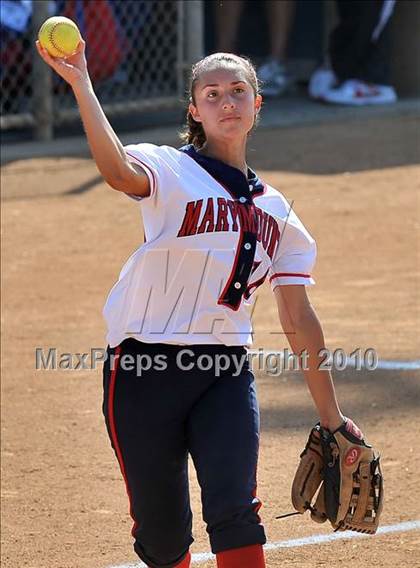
(193, 132)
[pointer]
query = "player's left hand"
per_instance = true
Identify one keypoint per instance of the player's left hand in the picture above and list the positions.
(346, 472)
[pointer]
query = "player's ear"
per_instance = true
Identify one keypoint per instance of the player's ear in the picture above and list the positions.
(193, 110)
(258, 103)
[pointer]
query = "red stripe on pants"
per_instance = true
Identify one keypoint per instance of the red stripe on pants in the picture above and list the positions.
(113, 430)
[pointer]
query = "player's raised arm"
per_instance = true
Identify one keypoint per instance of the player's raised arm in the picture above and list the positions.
(106, 148)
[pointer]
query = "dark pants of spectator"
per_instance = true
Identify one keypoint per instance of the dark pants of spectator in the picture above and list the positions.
(360, 44)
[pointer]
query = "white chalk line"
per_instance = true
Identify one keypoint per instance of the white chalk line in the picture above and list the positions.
(406, 526)
(399, 365)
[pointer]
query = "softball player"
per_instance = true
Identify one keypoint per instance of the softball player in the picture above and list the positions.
(177, 380)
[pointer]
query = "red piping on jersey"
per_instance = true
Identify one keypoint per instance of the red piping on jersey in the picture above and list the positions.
(148, 169)
(232, 273)
(241, 238)
(259, 193)
(286, 274)
(255, 284)
(235, 262)
(113, 431)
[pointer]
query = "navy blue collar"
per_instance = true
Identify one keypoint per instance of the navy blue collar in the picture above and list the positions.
(231, 178)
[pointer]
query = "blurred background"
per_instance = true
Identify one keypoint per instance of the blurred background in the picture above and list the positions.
(140, 52)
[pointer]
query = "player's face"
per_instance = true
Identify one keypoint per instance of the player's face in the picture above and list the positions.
(225, 103)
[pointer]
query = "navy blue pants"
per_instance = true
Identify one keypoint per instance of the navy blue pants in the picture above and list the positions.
(156, 419)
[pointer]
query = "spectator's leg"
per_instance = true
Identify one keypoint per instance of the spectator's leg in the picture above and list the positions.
(344, 44)
(228, 15)
(280, 18)
(272, 73)
(354, 51)
(376, 67)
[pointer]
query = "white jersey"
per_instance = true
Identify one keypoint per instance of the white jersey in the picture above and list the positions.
(212, 237)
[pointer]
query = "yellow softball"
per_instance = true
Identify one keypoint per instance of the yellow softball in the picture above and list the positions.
(59, 36)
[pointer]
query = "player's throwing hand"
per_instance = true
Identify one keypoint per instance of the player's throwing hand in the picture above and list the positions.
(73, 69)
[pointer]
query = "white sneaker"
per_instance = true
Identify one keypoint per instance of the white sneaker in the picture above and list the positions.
(321, 81)
(358, 93)
(274, 78)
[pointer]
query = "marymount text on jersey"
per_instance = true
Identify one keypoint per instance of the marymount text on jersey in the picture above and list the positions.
(226, 215)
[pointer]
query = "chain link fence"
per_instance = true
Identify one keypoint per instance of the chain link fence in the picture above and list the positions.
(138, 52)
(16, 60)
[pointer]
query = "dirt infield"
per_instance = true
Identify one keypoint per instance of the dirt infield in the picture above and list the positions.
(65, 236)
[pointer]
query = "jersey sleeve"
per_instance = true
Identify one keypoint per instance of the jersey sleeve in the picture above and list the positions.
(155, 163)
(295, 255)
